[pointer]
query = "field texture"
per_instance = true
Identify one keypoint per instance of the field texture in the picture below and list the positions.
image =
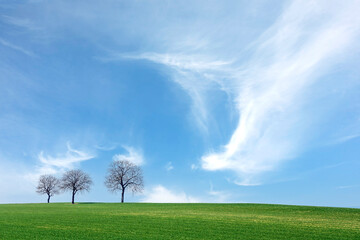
(176, 221)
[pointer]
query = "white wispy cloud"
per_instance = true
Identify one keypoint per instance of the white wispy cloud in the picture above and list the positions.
(194, 167)
(17, 48)
(160, 194)
(272, 88)
(106, 147)
(268, 79)
(346, 187)
(218, 196)
(169, 166)
(289, 58)
(187, 70)
(133, 155)
(18, 179)
(67, 160)
(20, 22)
(346, 138)
(55, 164)
(14, 181)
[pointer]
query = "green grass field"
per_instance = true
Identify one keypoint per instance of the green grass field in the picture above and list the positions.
(176, 221)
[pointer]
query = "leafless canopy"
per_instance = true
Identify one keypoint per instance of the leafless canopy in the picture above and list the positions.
(75, 181)
(124, 175)
(49, 185)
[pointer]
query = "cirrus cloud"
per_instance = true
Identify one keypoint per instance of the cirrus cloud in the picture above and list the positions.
(160, 194)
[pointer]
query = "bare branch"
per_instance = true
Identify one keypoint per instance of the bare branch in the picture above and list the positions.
(75, 181)
(124, 175)
(49, 185)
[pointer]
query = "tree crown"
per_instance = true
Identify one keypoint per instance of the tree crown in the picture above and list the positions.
(48, 184)
(76, 180)
(123, 174)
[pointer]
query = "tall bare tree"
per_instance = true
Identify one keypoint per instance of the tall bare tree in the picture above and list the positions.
(49, 185)
(75, 181)
(124, 175)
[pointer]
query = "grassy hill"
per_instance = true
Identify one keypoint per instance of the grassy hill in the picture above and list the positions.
(176, 221)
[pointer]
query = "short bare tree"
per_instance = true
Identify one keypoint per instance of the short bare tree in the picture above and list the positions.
(49, 185)
(75, 181)
(124, 175)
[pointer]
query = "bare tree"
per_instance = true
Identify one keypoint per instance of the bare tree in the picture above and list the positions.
(75, 181)
(49, 185)
(123, 175)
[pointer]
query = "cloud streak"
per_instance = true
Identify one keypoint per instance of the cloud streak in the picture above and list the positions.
(289, 58)
(169, 166)
(271, 77)
(160, 194)
(133, 155)
(17, 48)
(271, 90)
(187, 70)
(53, 165)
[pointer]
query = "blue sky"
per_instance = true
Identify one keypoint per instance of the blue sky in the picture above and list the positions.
(218, 101)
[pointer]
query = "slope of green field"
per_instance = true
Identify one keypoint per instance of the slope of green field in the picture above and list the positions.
(176, 221)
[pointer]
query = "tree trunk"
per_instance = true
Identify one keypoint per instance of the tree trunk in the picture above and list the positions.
(73, 197)
(122, 195)
(48, 198)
